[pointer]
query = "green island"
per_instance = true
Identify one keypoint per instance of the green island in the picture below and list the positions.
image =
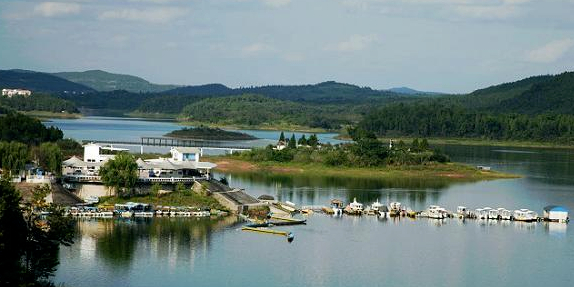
(207, 133)
(366, 157)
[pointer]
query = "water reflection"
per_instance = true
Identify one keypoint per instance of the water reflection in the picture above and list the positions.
(553, 166)
(116, 241)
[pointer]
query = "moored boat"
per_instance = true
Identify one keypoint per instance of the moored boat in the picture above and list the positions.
(524, 215)
(395, 209)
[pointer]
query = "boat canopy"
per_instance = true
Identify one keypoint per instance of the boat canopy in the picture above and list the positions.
(555, 208)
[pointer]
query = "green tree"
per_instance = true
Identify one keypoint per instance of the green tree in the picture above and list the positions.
(120, 173)
(282, 137)
(29, 243)
(302, 141)
(424, 145)
(12, 235)
(292, 142)
(313, 140)
(13, 156)
(50, 157)
(415, 145)
(155, 188)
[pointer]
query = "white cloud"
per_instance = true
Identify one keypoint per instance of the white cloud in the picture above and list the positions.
(276, 3)
(154, 15)
(550, 52)
(256, 48)
(52, 9)
(355, 43)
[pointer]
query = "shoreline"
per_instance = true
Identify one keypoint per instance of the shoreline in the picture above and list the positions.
(44, 115)
(474, 142)
(450, 171)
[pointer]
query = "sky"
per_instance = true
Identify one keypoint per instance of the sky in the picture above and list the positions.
(453, 46)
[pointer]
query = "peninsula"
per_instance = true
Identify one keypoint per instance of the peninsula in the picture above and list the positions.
(366, 157)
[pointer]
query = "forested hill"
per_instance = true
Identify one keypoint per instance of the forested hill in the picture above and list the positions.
(39, 82)
(554, 95)
(262, 111)
(105, 82)
(534, 95)
(322, 93)
(533, 109)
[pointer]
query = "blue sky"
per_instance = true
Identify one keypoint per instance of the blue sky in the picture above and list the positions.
(434, 45)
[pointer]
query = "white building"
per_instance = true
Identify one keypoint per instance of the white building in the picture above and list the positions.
(15, 92)
(183, 166)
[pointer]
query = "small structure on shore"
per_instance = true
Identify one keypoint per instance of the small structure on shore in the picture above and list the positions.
(556, 213)
(183, 166)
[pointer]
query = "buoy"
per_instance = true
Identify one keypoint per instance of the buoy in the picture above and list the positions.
(290, 237)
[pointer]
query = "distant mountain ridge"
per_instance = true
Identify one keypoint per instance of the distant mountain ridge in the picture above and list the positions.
(103, 81)
(39, 82)
(409, 91)
(329, 92)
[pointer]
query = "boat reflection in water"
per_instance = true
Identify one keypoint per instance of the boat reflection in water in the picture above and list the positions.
(116, 241)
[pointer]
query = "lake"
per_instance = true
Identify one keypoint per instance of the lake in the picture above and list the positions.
(345, 251)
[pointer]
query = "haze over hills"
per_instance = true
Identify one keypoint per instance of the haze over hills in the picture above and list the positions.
(409, 91)
(104, 82)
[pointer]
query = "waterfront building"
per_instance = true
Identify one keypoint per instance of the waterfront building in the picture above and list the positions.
(15, 92)
(183, 166)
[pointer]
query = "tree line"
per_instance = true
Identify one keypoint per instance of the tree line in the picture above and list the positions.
(365, 151)
(441, 120)
(39, 102)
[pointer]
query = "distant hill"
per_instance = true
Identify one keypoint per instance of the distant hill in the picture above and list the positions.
(409, 91)
(321, 93)
(261, 111)
(39, 82)
(533, 95)
(104, 82)
(554, 94)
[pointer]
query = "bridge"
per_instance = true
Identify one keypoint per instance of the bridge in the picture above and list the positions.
(202, 144)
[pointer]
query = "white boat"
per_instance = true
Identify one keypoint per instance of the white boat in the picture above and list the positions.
(337, 207)
(356, 206)
(289, 206)
(461, 212)
(203, 213)
(384, 211)
(143, 214)
(376, 206)
(493, 214)
(504, 214)
(481, 213)
(524, 215)
(126, 214)
(436, 212)
(395, 208)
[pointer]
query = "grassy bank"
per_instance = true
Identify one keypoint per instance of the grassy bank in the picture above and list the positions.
(187, 198)
(452, 171)
(476, 142)
(48, 115)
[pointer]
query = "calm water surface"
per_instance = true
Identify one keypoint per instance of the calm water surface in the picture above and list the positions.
(346, 251)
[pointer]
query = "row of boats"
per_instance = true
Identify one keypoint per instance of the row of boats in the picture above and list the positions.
(394, 209)
(132, 209)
